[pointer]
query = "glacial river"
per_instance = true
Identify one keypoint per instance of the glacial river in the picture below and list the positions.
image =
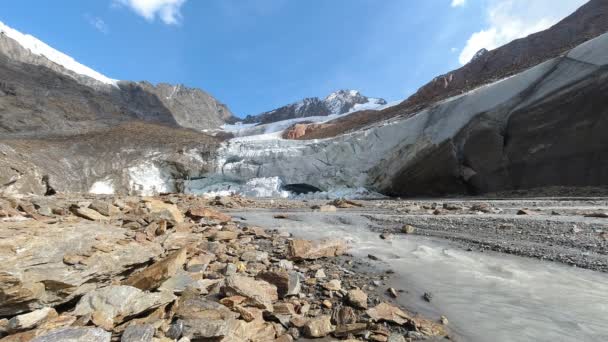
(486, 296)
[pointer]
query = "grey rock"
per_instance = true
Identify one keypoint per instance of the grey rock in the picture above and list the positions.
(138, 333)
(111, 305)
(75, 334)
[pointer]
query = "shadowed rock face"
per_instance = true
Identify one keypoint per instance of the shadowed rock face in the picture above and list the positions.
(39, 97)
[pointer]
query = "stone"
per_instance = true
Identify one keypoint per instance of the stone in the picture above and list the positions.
(254, 256)
(138, 333)
(385, 312)
(287, 283)
(224, 235)
(199, 212)
(428, 296)
(285, 264)
(327, 209)
(111, 305)
(89, 214)
(392, 292)
(357, 298)
(31, 320)
(344, 315)
(344, 203)
(318, 327)
(344, 330)
(396, 338)
(320, 274)
(310, 250)
(104, 208)
(22, 281)
(75, 334)
(333, 285)
(154, 275)
(160, 210)
(429, 328)
(408, 229)
(525, 212)
(284, 338)
(258, 292)
(201, 329)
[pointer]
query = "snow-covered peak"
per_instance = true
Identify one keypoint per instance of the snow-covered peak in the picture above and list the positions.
(39, 48)
(342, 101)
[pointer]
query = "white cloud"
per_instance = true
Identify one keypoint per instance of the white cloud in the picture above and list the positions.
(508, 20)
(167, 10)
(97, 23)
(458, 3)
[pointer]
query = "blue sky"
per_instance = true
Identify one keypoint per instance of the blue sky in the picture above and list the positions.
(258, 55)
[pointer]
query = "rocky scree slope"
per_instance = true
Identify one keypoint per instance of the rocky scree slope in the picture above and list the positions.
(589, 21)
(101, 269)
(339, 102)
(541, 127)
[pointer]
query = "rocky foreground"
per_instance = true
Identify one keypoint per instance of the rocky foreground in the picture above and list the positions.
(173, 268)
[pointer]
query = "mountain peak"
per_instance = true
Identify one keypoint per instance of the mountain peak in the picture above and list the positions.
(39, 48)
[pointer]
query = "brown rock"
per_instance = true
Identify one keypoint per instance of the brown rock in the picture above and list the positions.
(160, 210)
(104, 208)
(258, 292)
(318, 327)
(407, 229)
(224, 235)
(388, 313)
(344, 203)
(311, 250)
(153, 276)
(89, 214)
(287, 283)
(208, 213)
(31, 320)
(343, 330)
(344, 315)
(357, 298)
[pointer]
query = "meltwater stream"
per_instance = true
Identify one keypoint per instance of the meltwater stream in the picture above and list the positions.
(486, 296)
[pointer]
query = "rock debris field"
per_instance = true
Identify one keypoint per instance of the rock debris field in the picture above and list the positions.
(178, 268)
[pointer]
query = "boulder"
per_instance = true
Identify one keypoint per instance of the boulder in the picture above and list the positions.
(385, 312)
(153, 276)
(138, 333)
(287, 283)
(199, 212)
(31, 320)
(113, 304)
(310, 250)
(75, 334)
(357, 298)
(160, 210)
(37, 277)
(89, 214)
(258, 292)
(318, 327)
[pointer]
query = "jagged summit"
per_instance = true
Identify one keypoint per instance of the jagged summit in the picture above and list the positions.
(338, 102)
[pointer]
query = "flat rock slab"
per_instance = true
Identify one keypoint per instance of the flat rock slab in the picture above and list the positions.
(33, 273)
(75, 334)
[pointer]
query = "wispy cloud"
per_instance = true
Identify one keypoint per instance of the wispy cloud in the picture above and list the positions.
(168, 11)
(508, 20)
(458, 3)
(97, 23)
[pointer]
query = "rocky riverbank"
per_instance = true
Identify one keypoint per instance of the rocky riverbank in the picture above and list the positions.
(175, 268)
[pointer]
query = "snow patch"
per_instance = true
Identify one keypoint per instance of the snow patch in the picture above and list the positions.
(39, 48)
(102, 187)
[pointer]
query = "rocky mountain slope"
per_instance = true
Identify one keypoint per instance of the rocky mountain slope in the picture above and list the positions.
(339, 102)
(43, 91)
(540, 127)
(587, 22)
